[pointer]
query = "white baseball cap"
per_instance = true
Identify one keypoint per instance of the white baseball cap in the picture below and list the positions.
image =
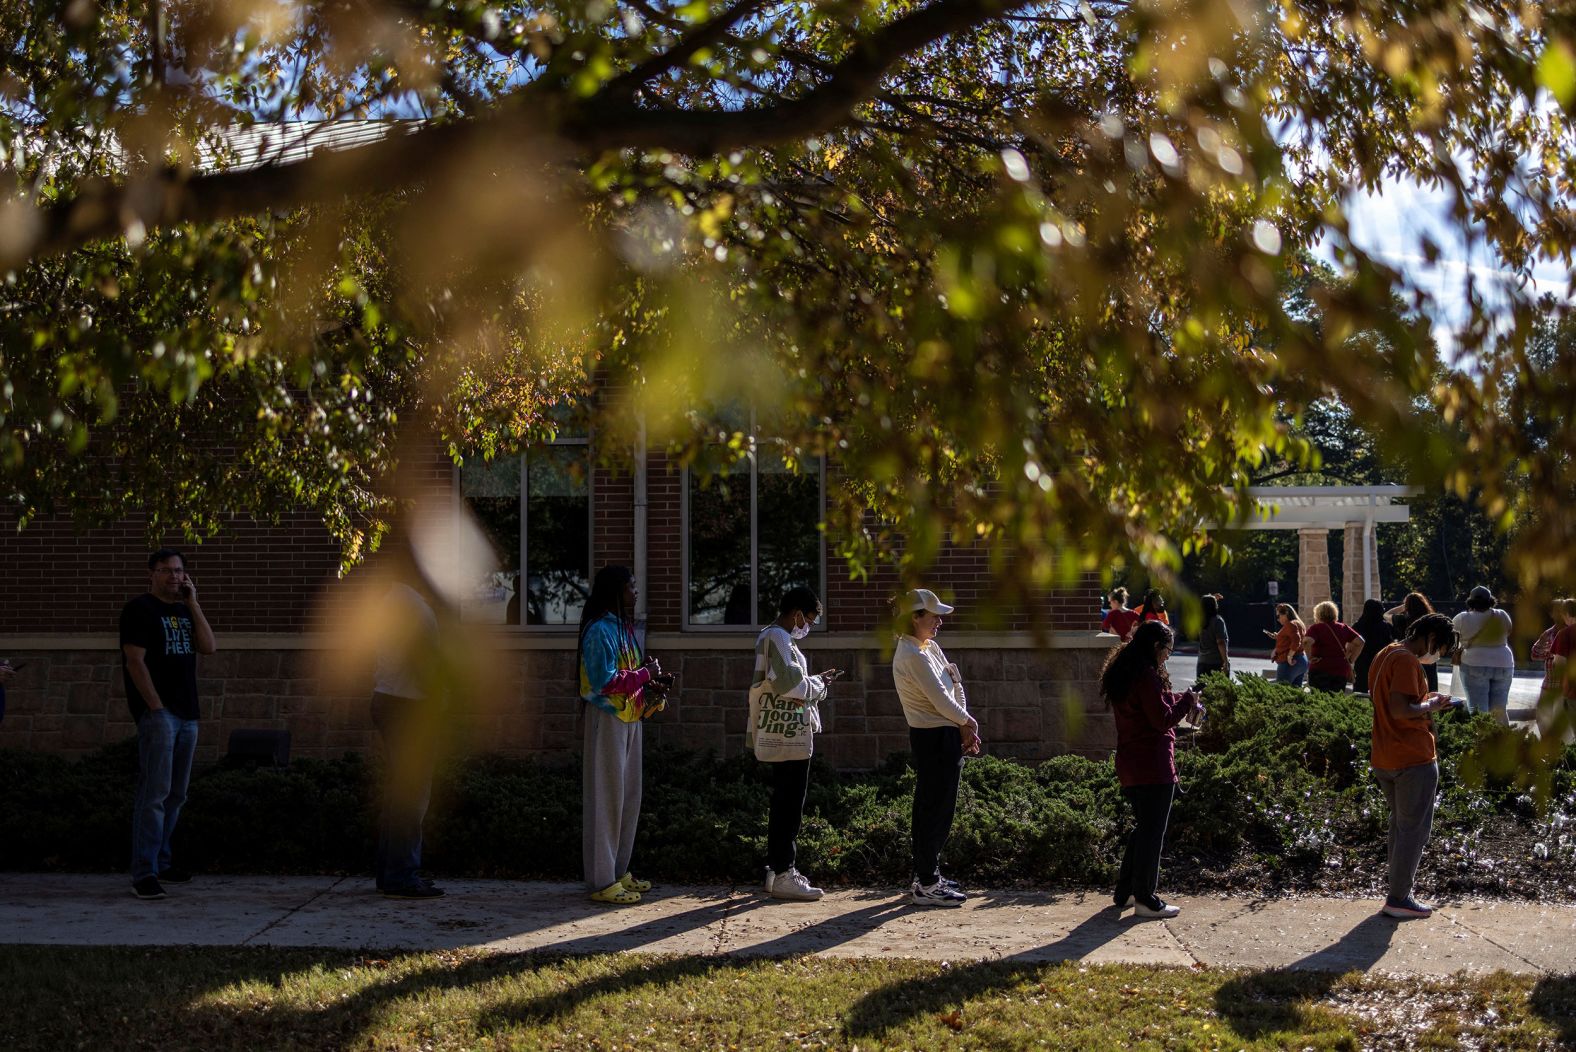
(924, 599)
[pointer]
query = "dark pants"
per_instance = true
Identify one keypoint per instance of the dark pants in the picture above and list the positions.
(790, 781)
(938, 765)
(1325, 681)
(407, 727)
(1140, 873)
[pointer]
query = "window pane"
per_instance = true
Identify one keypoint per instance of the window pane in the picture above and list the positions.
(492, 493)
(719, 550)
(557, 535)
(788, 517)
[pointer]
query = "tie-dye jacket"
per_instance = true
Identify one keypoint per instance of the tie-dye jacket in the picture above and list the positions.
(611, 675)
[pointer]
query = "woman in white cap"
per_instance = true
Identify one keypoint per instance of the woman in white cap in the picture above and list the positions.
(940, 731)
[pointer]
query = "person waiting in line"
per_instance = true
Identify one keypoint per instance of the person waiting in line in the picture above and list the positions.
(784, 719)
(1487, 663)
(940, 731)
(408, 711)
(1119, 620)
(1562, 612)
(1562, 653)
(1291, 664)
(1331, 646)
(1137, 690)
(1403, 759)
(1377, 634)
(1153, 608)
(621, 691)
(1414, 606)
(1213, 639)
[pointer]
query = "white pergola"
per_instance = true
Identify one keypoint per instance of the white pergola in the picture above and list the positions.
(1315, 510)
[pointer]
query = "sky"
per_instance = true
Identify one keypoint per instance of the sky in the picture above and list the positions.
(1391, 225)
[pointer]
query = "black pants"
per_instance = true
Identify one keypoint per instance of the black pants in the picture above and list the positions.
(1325, 681)
(408, 728)
(790, 780)
(1140, 874)
(938, 765)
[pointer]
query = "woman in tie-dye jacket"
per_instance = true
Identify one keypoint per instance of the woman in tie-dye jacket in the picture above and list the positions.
(620, 691)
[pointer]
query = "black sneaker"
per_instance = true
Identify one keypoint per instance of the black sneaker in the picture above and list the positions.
(1407, 909)
(414, 891)
(147, 888)
(175, 875)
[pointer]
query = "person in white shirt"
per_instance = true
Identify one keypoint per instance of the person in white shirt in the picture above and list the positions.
(784, 718)
(940, 731)
(1487, 663)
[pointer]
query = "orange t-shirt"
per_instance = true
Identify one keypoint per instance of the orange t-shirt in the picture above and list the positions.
(1408, 741)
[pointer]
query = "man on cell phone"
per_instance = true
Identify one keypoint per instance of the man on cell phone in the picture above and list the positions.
(161, 633)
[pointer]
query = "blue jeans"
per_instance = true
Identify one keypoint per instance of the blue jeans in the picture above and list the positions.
(165, 744)
(1293, 672)
(1488, 689)
(407, 728)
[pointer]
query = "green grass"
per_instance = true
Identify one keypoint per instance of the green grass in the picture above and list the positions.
(217, 999)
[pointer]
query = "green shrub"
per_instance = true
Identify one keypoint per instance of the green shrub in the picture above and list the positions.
(1276, 781)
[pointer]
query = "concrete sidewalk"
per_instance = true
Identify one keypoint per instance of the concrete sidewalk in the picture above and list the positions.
(1310, 933)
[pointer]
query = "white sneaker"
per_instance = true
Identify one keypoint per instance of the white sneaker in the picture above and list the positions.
(1141, 910)
(795, 887)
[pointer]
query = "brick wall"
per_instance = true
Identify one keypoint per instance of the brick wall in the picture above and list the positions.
(1031, 702)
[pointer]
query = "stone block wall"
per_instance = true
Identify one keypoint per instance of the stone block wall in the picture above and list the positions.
(1032, 702)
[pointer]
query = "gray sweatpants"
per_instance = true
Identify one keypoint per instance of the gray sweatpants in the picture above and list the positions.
(610, 807)
(1410, 794)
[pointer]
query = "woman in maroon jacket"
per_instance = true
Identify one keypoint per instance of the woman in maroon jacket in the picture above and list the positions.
(1138, 691)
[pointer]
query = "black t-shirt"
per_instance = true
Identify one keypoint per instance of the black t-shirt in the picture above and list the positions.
(164, 630)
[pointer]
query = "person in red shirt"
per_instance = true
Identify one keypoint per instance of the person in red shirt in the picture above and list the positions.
(1138, 692)
(1564, 615)
(1119, 620)
(1403, 758)
(1331, 647)
(1561, 670)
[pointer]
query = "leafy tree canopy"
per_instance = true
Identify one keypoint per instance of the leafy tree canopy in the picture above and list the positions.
(1022, 266)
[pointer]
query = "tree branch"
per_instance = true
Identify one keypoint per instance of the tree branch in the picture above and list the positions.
(164, 196)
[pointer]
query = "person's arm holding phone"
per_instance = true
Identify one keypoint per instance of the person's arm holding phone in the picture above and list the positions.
(1405, 706)
(202, 632)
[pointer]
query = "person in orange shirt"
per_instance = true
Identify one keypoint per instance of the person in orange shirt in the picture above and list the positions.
(1403, 759)
(1291, 664)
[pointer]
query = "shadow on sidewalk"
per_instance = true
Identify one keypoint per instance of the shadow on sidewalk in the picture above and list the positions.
(898, 1003)
(1266, 1002)
(810, 939)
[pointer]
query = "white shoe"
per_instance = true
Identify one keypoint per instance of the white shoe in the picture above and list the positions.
(1141, 910)
(795, 887)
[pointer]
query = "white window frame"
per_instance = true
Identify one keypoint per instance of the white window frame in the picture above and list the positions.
(685, 625)
(525, 528)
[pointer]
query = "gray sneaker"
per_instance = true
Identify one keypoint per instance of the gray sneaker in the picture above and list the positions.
(1407, 909)
(937, 894)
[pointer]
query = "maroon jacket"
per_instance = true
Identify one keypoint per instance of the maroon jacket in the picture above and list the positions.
(1146, 737)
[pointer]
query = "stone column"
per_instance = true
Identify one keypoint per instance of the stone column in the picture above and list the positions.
(1353, 594)
(1313, 570)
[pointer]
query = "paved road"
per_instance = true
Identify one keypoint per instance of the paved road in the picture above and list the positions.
(1306, 933)
(1523, 692)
